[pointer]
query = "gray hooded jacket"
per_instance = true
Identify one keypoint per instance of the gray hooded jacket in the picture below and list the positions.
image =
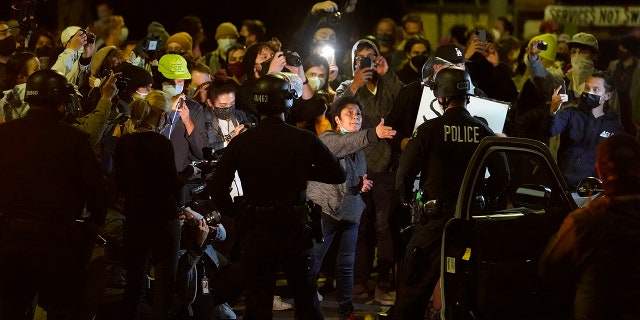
(337, 200)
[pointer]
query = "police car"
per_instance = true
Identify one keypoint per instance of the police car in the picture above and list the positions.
(490, 254)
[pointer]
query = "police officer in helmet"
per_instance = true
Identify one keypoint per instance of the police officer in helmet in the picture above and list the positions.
(50, 174)
(440, 151)
(274, 161)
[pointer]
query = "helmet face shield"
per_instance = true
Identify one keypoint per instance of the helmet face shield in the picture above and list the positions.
(274, 93)
(429, 69)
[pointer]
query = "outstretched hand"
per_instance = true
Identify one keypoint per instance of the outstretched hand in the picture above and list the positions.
(384, 132)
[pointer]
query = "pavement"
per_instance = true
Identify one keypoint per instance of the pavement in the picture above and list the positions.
(366, 308)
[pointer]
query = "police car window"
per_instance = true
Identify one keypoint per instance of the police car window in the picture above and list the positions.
(529, 188)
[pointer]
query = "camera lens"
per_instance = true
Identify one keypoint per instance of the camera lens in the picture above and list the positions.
(542, 46)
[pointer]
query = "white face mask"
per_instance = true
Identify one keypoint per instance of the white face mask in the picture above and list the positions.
(315, 83)
(172, 90)
(225, 44)
(142, 94)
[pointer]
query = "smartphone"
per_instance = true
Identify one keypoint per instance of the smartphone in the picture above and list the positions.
(365, 62)
(562, 90)
(481, 35)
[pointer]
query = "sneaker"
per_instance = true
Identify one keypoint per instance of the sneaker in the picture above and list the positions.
(360, 291)
(224, 311)
(320, 297)
(280, 305)
(384, 295)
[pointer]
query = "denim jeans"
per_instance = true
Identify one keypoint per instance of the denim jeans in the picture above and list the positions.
(347, 234)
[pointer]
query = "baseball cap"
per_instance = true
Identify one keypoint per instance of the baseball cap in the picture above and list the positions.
(451, 53)
(173, 66)
(67, 33)
(585, 39)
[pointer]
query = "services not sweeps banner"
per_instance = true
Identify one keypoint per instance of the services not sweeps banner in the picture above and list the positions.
(597, 16)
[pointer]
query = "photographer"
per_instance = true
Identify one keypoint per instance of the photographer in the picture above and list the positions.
(75, 61)
(264, 58)
(206, 280)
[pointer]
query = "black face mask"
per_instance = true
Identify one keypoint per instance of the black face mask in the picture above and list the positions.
(590, 100)
(419, 60)
(242, 40)
(223, 113)
(265, 67)
(7, 46)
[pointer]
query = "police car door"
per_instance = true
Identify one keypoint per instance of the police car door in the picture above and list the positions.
(491, 248)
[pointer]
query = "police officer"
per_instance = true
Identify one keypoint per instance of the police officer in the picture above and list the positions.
(274, 162)
(50, 173)
(440, 152)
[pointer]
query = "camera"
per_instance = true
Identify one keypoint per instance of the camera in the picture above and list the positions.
(366, 62)
(91, 37)
(151, 44)
(542, 46)
(121, 82)
(293, 58)
(204, 210)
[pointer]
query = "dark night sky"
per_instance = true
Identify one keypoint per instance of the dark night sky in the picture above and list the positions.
(281, 17)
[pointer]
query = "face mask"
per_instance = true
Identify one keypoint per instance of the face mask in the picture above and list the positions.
(7, 46)
(419, 61)
(315, 83)
(265, 67)
(385, 40)
(124, 34)
(242, 40)
(223, 113)
(102, 15)
(581, 69)
(225, 44)
(172, 90)
(590, 100)
(142, 94)
(236, 69)
(343, 130)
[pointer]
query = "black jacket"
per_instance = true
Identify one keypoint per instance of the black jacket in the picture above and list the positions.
(274, 162)
(49, 170)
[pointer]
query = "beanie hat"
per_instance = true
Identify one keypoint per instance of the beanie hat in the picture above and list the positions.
(98, 58)
(585, 39)
(157, 29)
(173, 66)
(183, 39)
(67, 33)
(552, 45)
(226, 29)
(136, 76)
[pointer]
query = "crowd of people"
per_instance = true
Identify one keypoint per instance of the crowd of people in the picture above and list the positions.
(303, 141)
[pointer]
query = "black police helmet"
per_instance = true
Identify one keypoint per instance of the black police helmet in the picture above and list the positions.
(47, 87)
(273, 93)
(452, 81)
